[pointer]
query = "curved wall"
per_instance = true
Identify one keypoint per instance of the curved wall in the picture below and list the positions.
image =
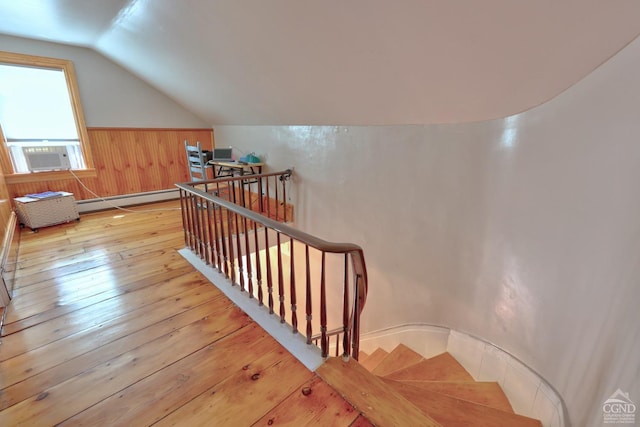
(524, 231)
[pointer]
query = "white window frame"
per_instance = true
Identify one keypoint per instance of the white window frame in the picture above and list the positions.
(67, 67)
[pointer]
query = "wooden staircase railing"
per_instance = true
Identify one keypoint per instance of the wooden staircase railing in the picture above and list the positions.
(237, 225)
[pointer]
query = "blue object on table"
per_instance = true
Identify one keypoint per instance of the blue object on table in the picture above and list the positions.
(44, 195)
(250, 158)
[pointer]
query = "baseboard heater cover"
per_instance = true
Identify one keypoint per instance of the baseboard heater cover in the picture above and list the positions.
(91, 205)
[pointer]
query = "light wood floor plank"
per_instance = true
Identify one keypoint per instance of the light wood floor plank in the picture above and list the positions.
(167, 390)
(68, 398)
(75, 366)
(38, 274)
(75, 288)
(246, 395)
(109, 325)
(147, 319)
(93, 315)
(312, 404)
(90, 301)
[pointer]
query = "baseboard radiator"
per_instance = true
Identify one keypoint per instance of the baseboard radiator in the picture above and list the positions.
(92, 205)
(9, 259)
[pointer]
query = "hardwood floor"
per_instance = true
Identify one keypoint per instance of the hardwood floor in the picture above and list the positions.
(109, 325)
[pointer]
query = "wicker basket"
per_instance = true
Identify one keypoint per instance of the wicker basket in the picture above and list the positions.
(36, 213)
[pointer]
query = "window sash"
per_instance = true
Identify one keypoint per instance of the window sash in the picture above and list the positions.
(35, 103)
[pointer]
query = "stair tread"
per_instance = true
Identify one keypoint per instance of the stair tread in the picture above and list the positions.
(370, 395)
(452, 412)
(362, 356)
(374, 359)
(443, 367)
(400, 357)
(483, 393)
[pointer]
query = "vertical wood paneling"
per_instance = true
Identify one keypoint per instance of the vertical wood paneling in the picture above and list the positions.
(128, 161)
(5, 206)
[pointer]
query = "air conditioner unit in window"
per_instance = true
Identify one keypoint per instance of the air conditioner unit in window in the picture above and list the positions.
(46, 158)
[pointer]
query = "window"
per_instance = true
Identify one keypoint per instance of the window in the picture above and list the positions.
(40, 115)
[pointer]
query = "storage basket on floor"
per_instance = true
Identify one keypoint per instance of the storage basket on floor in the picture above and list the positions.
(36, 213)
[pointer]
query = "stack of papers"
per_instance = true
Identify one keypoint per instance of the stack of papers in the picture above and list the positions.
(44, 195)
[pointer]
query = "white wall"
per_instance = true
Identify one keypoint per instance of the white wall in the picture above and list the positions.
(523, 231)
(111, 96)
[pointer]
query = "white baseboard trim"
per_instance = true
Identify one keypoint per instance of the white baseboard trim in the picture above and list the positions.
(308, 355)
(91, 205)
(530, 395)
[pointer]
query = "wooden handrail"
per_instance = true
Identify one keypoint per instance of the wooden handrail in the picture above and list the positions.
(214, 223)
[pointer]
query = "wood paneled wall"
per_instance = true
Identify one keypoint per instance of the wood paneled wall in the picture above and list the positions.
(128, 161)
(5, 206)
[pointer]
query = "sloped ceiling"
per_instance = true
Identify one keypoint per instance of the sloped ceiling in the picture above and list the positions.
(342, 62)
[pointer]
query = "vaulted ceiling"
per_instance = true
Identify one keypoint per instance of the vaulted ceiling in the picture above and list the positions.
(342, 62)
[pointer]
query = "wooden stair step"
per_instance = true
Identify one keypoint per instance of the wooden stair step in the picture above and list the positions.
(362, 356)
(369, 394)
(483, 393)
(400, 357)
(443, 367)
(452, 412)
(374, 359)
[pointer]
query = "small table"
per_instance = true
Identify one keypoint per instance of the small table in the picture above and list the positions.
(221, 169)
(230, 169)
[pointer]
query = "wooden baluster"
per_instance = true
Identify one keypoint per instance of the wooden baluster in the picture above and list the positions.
(268, 200)
(219, 225)
(202, 218)
(204, 232)
(248, 258)
(198, 218)
(345, 309)
(194, 218)
(292, 282)
(241, 185)
(206, 222)
(357, 311)
(324, 343)
(258, 266)
(239, 252)
(280, 281)
(183, 211)
(189, 203)
(187, 216)
(223, 242)
(187, 220)
(308, 294)
(277, 202)
(231, 267)
(284, 199)
(194, 230)
(269, 279)
(260, 198)
(209, 233)
(216, 237)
